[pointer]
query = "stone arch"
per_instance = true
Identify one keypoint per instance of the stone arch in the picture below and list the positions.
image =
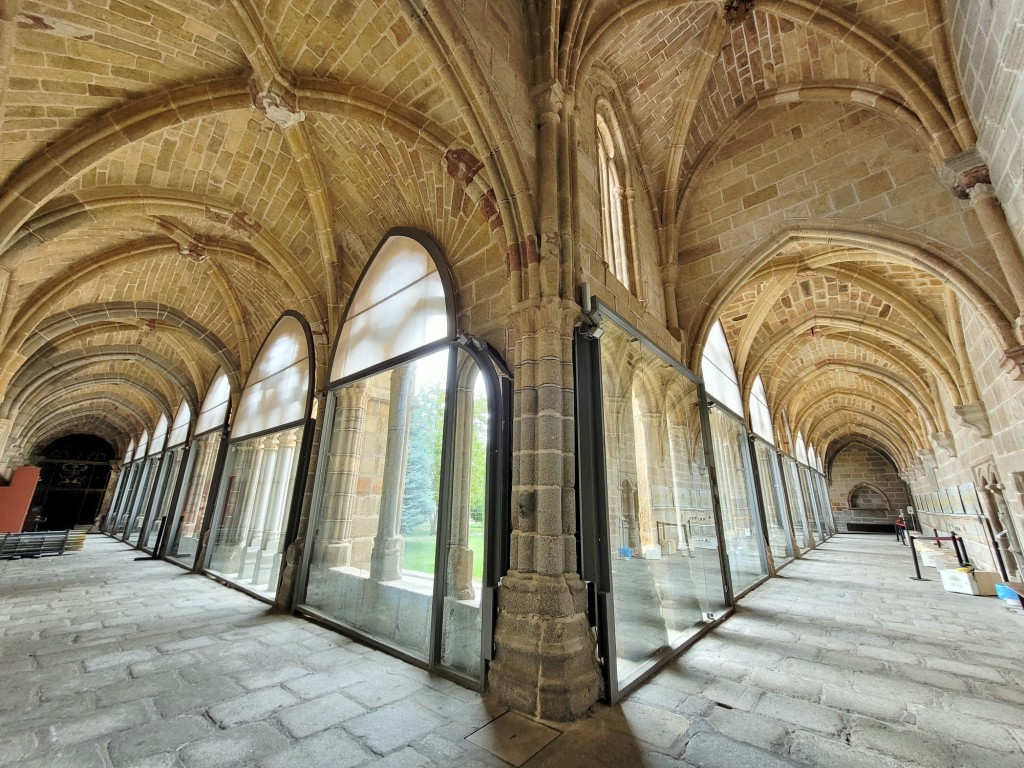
(888, 241)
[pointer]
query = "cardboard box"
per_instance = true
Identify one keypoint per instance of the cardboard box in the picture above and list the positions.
(977, 583)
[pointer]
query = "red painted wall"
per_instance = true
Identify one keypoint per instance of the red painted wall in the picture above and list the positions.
(16, 497)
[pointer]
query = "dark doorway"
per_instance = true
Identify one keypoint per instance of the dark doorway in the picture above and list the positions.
(74, 473)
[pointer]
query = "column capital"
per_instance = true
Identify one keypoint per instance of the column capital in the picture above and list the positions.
(550, 99)
(964, 171)
(944, 440)
(1013, 362)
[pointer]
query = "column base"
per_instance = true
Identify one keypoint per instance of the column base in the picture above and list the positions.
(545, 664)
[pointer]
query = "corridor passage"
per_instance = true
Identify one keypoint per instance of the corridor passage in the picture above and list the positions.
(843, 661)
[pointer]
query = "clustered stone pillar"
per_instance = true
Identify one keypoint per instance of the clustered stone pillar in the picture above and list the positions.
(545, 663)
(342, 469)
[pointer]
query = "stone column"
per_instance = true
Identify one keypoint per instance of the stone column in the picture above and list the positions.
(460, 557)
(990, 215)
(273, 530)
(340, 497)
(545, 663)
(386, 558)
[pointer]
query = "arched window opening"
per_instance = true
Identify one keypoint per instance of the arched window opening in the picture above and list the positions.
(616, 227)
(135, 478)
(408, 484)
(718, 371)
(205, 455)
(168, 479)
(801, 448)
(148, 483)
(760, 415)
(257, 498)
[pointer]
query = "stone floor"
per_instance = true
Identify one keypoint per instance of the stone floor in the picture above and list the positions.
(843, 661)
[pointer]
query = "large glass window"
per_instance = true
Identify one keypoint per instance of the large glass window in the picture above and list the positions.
(811, 502)
(164, 497)
(200, 471)
(718, 371)
(183, 543)
(659, 534)
(760, 415)
(741, 521)
(773, 496)
(256, 495)
(247, 544)
(405, 484)
(797, 507)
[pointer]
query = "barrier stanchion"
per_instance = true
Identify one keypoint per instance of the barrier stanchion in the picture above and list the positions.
(917, 566)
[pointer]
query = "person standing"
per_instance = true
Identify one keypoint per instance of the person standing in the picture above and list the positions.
(901, 529)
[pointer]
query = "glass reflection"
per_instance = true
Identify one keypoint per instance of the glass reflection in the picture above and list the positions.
(198, 482)
(772, 494)
(666, 571)
(141, 504)
(741, 522)
(165, 496)
(797, 508)
(811, 502)
(247, 541)
(373, 560)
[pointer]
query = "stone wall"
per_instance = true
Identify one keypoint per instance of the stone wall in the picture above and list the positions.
(988, 44)
(865, 474)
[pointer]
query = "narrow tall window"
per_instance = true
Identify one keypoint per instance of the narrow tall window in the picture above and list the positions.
(614, 221)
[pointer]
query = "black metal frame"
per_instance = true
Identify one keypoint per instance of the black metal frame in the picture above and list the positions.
(592, 498)
(213, 515)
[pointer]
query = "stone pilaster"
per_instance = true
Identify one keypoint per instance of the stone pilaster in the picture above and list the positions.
(545, 664)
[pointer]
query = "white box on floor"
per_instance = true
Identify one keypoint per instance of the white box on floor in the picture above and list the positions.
(977, 583)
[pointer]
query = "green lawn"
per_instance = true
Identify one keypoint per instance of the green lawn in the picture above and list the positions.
(419, 552)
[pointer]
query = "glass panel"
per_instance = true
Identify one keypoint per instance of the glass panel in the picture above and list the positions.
(165, 496)
(214, 410)
(772, 493)
(142, 499)
(156, 444)
(810, 502)
(276, 391)
(179, 430)
(718, 372)
(760, 416)
(372, 561)
(142, 449)
(184, 539)
(740, 520)
(801, 449)
(791, 476)
(247, 540)
(129, 454)
(666, 570)
(125, 502)
(400, 306)
(463, 582)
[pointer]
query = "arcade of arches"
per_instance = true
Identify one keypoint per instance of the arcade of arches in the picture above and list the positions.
(471, 327)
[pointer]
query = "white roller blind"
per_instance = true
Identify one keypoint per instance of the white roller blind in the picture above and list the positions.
(214, 409)
(179, 429)
(760, 416)
(400, 306)
(276, 391)
(718, 371)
